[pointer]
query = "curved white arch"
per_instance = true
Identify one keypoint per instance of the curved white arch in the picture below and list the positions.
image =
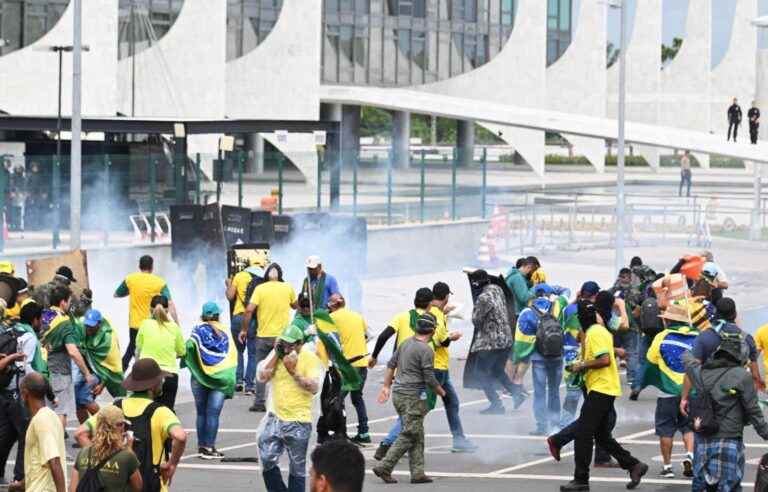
(31, 84)
(576, 83)
(686, 81)
(515, 76)
(643, 82)
(280, 79)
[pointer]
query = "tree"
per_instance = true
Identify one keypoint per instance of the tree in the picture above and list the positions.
(668, 53)
(611, 54)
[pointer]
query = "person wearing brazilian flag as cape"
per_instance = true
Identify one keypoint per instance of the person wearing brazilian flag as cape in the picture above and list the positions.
(99, 346)
(212, 361)
(665, 370)
(320, 330)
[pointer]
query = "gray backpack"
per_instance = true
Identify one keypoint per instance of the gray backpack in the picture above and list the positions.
(549, 335)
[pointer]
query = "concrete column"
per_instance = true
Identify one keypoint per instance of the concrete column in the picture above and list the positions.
(333, 112)
(350, 133)
(254, 144)
(465, 142)
(401, 139)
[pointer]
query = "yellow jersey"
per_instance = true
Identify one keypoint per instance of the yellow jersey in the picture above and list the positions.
(294, 404)
(351, 327)
(598, 342)
(441, 335)
(141, 287)
(273, 302)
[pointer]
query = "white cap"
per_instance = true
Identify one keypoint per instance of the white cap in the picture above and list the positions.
(313, 261)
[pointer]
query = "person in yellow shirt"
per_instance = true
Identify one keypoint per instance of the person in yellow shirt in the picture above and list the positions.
(44, 449)
(595, 423)
(295, 375)
(153, 425)
(353, 336)
(237, 288)
(140, 288)
(761, 342)
(271, 302)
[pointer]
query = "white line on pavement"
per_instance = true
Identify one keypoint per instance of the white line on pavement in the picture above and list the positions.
(228, 448)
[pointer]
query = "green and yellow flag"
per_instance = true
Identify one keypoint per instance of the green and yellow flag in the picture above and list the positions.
(38, 363)
(212, 357)
(665, 368)
(102, 351)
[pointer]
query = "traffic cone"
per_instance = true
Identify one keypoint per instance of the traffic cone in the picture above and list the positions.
(484, 252)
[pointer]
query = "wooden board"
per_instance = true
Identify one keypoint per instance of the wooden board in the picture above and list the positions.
(42, 270)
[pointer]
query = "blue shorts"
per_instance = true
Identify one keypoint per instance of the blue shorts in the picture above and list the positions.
(83, 394)
(669, 420)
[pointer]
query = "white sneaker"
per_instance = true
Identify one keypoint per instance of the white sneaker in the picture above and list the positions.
(667, 472)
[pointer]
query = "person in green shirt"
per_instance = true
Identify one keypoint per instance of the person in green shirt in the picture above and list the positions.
(160, 338)
(523, 292)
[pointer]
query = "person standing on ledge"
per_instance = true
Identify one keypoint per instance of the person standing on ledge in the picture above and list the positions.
(754, 122)
(734, 119)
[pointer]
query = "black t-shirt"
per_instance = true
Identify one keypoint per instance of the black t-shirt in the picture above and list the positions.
(753, 113)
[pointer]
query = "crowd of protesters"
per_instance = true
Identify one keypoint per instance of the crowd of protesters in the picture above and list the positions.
(674, 331)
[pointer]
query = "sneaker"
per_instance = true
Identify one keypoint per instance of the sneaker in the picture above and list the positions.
(634, 395)
(493, 410)
(257, 407)
(463, 445)
(239, 387)
(385, 476)
(381, 451)
(212, 454)
(249, 392)
(554, 449)
(575, 486)
(636, 474)
(361, 439)
(688, 467)
(667, 472)
(422, 479)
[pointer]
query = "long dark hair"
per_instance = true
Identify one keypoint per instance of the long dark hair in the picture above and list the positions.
(587, 314)
(274, 266)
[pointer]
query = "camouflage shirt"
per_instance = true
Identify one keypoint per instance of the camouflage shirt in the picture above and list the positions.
(77, 305)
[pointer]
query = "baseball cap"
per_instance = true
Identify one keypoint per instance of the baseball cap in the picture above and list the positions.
(92, 318)
(440, 290)
(590, 288)
(543, 289)
(710, 270)
(292, 334)
(426, 324)
(66, 272)
(423, 296)
(210, 308)
(313, 261)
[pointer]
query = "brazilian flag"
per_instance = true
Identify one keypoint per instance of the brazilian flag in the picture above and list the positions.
(665, 369)
(212, 357)
(38, 363)
(102, 351)
(330, 348)
(525, 333)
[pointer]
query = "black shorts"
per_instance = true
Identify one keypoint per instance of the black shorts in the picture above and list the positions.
(669, 419)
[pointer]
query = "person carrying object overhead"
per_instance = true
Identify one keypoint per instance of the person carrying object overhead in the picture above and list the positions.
(271, 303)
(294, 373)
(64, 277)
(322, 285)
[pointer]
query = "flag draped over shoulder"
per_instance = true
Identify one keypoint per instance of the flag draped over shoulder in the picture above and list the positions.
(528, 322)
(38, 363)
(102, 351)
(665, 369)
(212, 358)
(330, 348)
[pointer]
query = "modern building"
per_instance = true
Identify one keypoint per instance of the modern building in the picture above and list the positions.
(278, 59)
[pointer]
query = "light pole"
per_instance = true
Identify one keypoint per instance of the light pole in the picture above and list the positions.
(755, 227)
(620, 198)
(75, 161)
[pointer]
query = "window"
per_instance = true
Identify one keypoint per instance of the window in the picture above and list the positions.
(507, 12)
(463, 10)
(143, 22)
(249, 22)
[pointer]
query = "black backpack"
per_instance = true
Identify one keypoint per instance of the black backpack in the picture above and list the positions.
(255, 281)
(650, 324)
(91, 481)
(761, 481)
(702, 410)
(550, 339)
(142, 446)
(9, 344)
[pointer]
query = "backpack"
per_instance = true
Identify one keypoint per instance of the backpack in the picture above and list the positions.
(142, 446)
(761, 480)
(702, 410)
(91, 481)
(650, 324)
(9, 344)
(550, 339)
(255, 281)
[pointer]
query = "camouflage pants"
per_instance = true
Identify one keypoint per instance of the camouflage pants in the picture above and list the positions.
(412, 411)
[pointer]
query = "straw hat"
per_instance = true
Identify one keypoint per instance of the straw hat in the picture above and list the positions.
(676, 312)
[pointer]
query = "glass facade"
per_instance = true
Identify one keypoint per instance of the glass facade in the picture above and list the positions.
(249, 22)
(559, 22)
(22, 22)
(406, 42)
(141, 23)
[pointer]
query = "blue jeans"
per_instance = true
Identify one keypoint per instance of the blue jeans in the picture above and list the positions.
(642, 361)
(250, 347)
(547, 375)
(280, 437)
(570, 406)
(359, 403)
(208, 404)
(629, 341)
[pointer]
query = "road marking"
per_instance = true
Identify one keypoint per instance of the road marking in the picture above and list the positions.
(680, 443)
(476, 436)
(541, 461)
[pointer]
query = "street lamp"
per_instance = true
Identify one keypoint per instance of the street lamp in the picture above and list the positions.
(60, 49)
(755, 229)
(620, 198)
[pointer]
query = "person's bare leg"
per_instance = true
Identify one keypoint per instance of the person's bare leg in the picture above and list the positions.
(666, 443)
(522, 368)
(688, 442)
(510, 369)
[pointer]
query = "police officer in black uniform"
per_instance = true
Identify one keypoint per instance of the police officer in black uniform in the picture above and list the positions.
(734, 119)
(753, 115)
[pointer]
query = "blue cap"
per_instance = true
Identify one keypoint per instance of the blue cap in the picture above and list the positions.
(210, 308)
(543, 289)
(590, 288)
(710, 270)
(92, 318)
